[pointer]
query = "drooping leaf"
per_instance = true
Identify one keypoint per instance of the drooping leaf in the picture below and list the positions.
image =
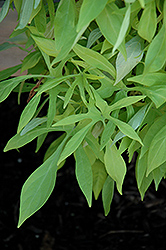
(107, 194)
(115, 165)
(89, 11)
(134, 56)
(99, 177)
(157, 149)
(94, 59)
(158, 174)
(148, 22)
(25, 14)
(155, 57)
(39, 186)
(84, 173)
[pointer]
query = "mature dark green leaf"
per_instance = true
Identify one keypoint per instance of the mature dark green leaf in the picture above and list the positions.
(6, 45)
(40, 20)
(84, 173)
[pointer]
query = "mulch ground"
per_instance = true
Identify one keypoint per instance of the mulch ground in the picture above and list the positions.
(66, 222)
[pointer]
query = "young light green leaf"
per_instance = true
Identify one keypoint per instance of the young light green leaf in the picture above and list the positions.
(107, 194)
(84, 173)
(94, 35)
(46, 44)
(115, 165)
(94, 59)
(126, 129)
(30, 60)
(9, 71)
(142, 3)
(4, 10)
(33, 124)
(149, 79)
(39, 186)
(155, 57)
(157, 150)
(158, 174)
(148, 22)
(74, 142)
(28, 112)
(107, 133)
(99, 177)
(110, 22)
(89, 11)
(134, 56)
(124, 102)
(123, 29)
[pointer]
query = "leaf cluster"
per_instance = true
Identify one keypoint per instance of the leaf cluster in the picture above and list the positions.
(101, 67)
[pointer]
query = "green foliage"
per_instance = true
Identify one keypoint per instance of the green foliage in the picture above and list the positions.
(101, 67)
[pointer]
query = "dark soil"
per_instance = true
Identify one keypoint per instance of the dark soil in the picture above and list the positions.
(66, 222)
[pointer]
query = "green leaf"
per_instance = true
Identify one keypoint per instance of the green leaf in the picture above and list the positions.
(6, 45)
(158, 174)
(64, 23)
(9, 71)
(124, 102)
(126, 129)
(45, 44)
(149, 79)
(142, 3)
(155, 57)
(157, 149)
(74, 142)
(25, 14)
(7, 86)
(70, 92)
(107, 194)
(115, 165)
(148, 22)
(93, 37)
(4, 9)
(39, 186)
(94, 59)
(123, 29)
(30, 60)
(134, 56)
(99, 177)
(107, 133)
(40, 20)
(36, 3)
(28, 112)
(143, 182)
(33, 124)
(52, 105)
(89, 11)
(110, 22)
(84, 173)
(153, 130)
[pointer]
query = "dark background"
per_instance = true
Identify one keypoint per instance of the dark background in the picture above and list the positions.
(66, 222)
